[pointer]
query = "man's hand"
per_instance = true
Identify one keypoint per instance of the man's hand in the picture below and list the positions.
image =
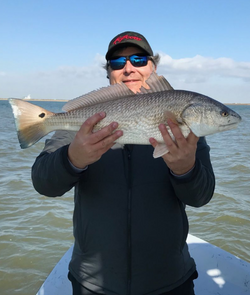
(181, 156)
(88, 147)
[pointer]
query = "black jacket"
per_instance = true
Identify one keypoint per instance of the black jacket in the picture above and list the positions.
(130, 224)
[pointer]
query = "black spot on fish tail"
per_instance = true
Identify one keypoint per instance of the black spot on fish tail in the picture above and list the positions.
(42, 115)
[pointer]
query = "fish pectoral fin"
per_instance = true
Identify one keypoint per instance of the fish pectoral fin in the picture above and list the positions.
(160, 150)
(170, 115)
(117, 146)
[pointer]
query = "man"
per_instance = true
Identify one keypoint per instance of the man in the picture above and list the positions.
(130, 225)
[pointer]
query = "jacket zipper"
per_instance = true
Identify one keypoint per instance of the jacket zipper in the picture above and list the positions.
(129, 219)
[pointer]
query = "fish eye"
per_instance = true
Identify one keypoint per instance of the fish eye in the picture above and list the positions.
(224, 113)
(42, 115)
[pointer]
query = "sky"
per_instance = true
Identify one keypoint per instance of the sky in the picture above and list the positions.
(51, 49)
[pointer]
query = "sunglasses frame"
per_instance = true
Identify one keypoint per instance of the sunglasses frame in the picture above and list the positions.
(128, 57)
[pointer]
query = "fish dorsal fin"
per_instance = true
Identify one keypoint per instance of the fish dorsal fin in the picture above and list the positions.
(113, 92)
(103, 94)
(156, 83)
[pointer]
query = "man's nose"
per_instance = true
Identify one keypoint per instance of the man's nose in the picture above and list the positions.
(128, 68)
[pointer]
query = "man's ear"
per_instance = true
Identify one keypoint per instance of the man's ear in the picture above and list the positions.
(155, 67)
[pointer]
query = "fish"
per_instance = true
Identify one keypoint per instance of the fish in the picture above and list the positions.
(138, 114)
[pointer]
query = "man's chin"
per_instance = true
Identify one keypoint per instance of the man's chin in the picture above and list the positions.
(133, 85)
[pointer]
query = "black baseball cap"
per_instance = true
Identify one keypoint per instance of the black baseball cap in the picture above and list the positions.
(128, 38)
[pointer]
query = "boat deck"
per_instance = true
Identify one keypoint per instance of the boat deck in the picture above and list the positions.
(220, 273)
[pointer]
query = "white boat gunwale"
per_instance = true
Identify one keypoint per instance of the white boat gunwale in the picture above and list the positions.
(220, 272)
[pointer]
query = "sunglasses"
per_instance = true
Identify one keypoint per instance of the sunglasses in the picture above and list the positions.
(136, 60)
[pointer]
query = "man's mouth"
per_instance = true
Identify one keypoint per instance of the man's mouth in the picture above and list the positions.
(130, 81)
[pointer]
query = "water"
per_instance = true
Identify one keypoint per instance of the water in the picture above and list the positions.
(36, 230)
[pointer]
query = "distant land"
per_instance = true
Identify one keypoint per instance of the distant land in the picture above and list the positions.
(65, 100)
(33, 99)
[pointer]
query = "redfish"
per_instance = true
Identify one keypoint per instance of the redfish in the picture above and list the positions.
(138, 115)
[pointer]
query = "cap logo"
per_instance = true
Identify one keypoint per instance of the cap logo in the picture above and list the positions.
(120, 39)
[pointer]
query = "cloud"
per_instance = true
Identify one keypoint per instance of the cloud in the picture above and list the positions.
(203, 68)
(222, 78)
(91, 71)
(64, 82)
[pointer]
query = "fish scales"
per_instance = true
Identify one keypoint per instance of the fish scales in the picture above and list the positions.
(138, 115)
(135, 117)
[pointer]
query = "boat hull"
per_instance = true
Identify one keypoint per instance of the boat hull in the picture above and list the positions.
(219, 272)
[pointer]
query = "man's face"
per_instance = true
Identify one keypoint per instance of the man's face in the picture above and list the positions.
(133, 77)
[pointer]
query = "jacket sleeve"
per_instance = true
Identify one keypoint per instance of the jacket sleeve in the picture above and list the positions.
(52, 174)
(198, 187)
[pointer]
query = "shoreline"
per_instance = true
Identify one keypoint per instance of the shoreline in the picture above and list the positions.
(66, 100)
(32, 99)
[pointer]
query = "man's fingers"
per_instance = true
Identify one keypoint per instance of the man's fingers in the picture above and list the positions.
(192, 139)
(89, 124)
(167, 138)
(179, 137)
(109, 141)
(153, 142)
(104, 132)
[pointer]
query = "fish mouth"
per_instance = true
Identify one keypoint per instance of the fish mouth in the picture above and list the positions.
(229, 126)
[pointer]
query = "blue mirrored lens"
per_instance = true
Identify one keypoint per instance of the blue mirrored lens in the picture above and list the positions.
(136, 61)
(118, 63)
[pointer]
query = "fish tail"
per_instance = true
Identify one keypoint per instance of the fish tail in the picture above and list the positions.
(30, 121)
